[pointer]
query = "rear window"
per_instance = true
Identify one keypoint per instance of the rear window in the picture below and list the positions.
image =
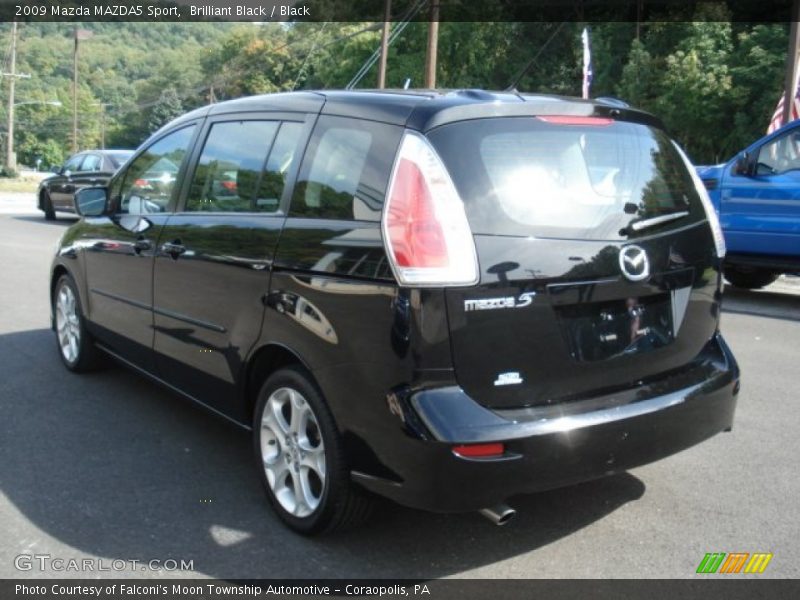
(523, 176)
(119, 158)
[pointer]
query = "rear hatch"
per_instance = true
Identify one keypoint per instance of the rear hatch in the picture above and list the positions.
(597, 262)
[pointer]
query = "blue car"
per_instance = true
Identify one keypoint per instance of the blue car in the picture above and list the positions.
(757, 197)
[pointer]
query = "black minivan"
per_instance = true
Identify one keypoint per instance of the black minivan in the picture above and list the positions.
(443, 298)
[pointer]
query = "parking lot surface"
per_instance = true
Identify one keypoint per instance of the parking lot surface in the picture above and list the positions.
(110, 467)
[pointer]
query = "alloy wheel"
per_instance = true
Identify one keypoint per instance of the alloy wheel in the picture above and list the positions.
(292, 452)
(68, 324)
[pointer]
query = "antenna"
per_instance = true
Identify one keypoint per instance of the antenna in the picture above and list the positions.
(514, 83)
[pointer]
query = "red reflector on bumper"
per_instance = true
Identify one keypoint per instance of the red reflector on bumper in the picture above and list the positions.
(479, 450)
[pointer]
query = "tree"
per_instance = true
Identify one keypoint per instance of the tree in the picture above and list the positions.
(167, 108)
(48, 151)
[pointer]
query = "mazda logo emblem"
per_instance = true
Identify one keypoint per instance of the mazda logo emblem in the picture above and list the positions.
(633, 263)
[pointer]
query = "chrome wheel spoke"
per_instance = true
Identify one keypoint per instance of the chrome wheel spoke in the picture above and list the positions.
(277, 471)
(277, 403)
(301, 505)
(314, 459)
(300, 412)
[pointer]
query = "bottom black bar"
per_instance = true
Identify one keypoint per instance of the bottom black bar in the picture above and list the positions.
(730, 588)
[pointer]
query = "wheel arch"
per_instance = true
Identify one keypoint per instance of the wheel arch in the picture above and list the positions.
(265, 361)
(58, 271)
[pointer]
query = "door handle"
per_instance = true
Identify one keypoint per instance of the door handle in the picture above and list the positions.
(174, 248)
(141, 244)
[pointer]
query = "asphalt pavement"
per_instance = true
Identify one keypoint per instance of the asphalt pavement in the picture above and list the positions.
(110, 467)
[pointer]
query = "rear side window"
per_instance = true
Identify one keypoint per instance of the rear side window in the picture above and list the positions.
(346, 170)
(529, 177)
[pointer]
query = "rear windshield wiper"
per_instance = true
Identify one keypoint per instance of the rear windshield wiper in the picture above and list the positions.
(653, 221)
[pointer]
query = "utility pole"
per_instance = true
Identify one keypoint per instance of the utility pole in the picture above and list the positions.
(80, 34)
(790, 90)
(102, 106)
(11, 159)
(433, 43)
(75, 96)
(387, 16)
(638, 18)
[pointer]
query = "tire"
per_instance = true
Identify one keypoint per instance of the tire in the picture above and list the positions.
(47, 207)
(300, 458)
(75, 344)
(749, 278)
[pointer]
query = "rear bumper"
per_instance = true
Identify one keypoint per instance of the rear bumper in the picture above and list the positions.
(552, 447)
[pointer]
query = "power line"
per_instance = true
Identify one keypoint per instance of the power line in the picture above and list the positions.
(395, 34)
(237, 70)
(311, 52)
(532, 61)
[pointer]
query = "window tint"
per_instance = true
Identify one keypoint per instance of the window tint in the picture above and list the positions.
(91, 162)
(280, 161)
(346, 170)
(150, 179)
(228, 172)
(780, 155)
(524, 176)
(74, 163)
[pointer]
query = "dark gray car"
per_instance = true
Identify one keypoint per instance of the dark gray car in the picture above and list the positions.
(88, 168)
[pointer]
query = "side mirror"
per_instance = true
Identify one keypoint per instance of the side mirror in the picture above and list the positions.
(742, 165)
(91, 202)
(56, 169)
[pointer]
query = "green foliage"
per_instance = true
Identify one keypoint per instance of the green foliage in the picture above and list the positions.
(167, 108)
(714, 82)
(7, 173)
(48, 151)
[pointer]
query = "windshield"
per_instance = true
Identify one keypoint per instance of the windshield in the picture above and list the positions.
(585, 180)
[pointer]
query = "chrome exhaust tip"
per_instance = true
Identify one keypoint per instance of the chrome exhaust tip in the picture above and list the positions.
(499, 514)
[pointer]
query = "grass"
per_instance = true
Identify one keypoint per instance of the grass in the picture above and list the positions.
(18, 184)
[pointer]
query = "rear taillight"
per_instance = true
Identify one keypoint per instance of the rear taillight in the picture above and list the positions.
(711, 213)
(425, 227)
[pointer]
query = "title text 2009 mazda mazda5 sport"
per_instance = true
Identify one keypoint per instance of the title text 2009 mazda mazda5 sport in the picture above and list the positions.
(444, 298)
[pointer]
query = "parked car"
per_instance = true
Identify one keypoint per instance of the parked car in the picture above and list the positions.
(89, 168)
(757, 197)
(446, 299)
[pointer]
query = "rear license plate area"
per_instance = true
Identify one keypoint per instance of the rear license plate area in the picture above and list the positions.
(616, 328)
